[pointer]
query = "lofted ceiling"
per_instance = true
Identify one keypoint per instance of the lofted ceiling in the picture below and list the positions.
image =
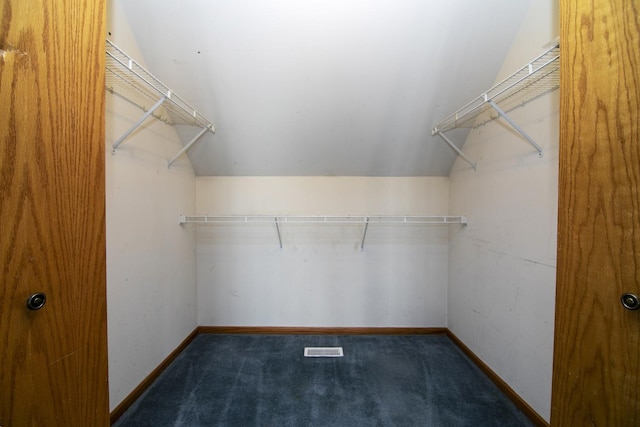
(324, 87)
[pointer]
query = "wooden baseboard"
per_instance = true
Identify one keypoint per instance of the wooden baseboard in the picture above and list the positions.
(511, 394)
(135, 394)
(286, 330)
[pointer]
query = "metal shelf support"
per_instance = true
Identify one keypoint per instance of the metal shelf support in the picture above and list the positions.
(457, 150)
(193, 141)
(278, 230)
(135, 126)
(132, 82)
(516, 127)
(540, 76)
(364, 234)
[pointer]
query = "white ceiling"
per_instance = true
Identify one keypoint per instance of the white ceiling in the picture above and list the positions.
(324, 87)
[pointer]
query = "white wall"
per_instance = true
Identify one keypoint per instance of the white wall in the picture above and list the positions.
(320, 277)
(502, 266)
(151, 284)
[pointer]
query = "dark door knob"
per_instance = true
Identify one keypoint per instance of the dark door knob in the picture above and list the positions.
(630, 301)
(36, 301)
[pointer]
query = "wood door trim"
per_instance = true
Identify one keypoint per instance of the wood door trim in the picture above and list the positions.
(144, 385)
(291, 330)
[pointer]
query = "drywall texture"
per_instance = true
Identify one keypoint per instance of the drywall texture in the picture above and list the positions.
(502, 266)
(321, 277)
(151, 284)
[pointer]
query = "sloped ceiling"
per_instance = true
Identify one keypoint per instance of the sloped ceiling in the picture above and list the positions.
(324, 87)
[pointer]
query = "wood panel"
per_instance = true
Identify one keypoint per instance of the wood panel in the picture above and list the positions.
(597, 348)
(53, 363)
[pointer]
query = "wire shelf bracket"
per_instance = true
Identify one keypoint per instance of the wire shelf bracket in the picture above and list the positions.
(323, 219)
(537, 78)
(278, 229)
(364, 233)
(132, 82)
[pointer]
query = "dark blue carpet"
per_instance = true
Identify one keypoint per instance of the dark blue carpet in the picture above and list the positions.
(264, 380)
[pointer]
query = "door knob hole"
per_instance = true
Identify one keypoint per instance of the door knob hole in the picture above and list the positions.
(36, 301)
(630, 301)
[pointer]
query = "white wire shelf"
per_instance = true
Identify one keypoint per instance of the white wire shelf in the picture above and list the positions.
(132, 82)
(537, 78)
(321, 219)
(363, 220)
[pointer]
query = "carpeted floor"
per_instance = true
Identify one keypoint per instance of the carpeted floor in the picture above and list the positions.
(264, 380)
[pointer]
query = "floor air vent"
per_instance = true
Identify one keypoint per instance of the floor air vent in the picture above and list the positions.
(323, 352)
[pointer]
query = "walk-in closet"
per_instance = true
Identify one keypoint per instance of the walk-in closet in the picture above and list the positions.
(372, 212)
